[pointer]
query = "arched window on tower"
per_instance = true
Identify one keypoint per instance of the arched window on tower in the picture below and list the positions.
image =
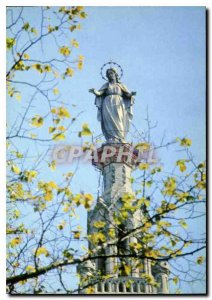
(121, 287)
(106, 287)
(135, 289)
(142, 288)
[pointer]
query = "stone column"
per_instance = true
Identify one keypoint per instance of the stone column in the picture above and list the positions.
(164, 281)
(161, 273)
(111, 261)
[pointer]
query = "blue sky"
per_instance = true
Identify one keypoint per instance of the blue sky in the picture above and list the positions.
(162, 53)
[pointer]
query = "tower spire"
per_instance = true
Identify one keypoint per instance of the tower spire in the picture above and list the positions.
(114, 221)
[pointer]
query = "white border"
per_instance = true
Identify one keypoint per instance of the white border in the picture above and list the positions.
(107, 3)
(3, 102)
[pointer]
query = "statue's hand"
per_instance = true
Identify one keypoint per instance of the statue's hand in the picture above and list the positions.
(92, 91)
(133, 93)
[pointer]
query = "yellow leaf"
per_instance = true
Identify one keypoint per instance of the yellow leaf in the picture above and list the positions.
(99, 224)
(87, 201)
(82, 15)
(80, 65)
(10, 42)
(63, 112)
(52, 165)
(181, 164)
(34, 30)
(183, 196)
(77, 234)
(26, 56)
(112, 233)
(15, 169)
(72, 28)
(61, 128)
(50, 28)
(90, 290)
(56, 121)
(143, 201)
(170, 186)
(67, 191)
(124, 214)
(16, 213)
(58, 136)
(16, 191)
(37, 67)
(201, 185)
(68, 175)
(16, 241)
(55, 91)
(42, 251)
(164, 223)
(202, 165)
(127, 197)
(52, 184)
(200, 260)
(147, 225)
(16, 265)
(61, 225)
(176, 280)
(29, 175)
(26, 26)
(143, 146)
(85, 130)
(54, 110)
(155, 170)
(37, 121)
(75, 43)
(135, 245)
(22, 282)
(47, 68)
(127, 270)
(30, 269)
(77, 199)
(186, 142)
(66, 208)
(65, 51)
(144, 166)
(81, 57)
(183, 223)
(69, 72)
(149, 183)
(80, 8)
(171, 206)
(52, 129)
(33, 136)
(97, 237)
(20, 66)
(48, 196)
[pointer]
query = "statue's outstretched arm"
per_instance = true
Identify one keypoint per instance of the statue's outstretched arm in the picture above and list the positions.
(126, 92)
(129, 94)
(96, 93)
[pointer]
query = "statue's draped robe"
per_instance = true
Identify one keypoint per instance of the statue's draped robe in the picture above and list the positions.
(114, 111)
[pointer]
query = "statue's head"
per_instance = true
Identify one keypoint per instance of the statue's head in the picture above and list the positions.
(112, 74)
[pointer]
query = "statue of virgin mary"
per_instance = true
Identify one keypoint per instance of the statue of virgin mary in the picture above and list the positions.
(114, 102)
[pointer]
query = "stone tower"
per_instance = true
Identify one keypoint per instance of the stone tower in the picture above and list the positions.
(116, 166)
